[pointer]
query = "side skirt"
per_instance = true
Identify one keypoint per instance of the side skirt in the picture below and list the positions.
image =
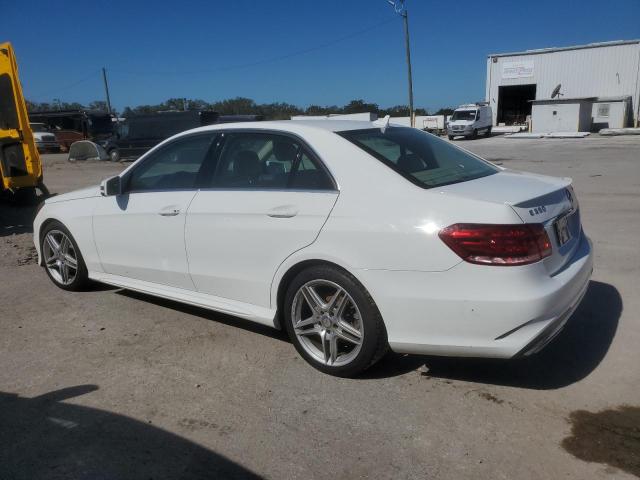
(264, 316)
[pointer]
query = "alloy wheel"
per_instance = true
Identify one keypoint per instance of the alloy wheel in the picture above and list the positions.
(60, 257)
(327, 322)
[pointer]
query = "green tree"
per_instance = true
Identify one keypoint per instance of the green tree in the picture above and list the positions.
(278, 111)
(395, 111)
(360, 106)
(235, 106)
(445, 111)
(98, 105)
(318, 110)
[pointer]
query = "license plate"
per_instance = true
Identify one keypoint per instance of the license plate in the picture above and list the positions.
(562, 229)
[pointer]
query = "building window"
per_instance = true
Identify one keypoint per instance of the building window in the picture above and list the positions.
(603, 110)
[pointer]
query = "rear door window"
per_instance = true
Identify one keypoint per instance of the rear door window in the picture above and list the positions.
(422, 158)
(255, 161)
(267, 161)
(309, 174)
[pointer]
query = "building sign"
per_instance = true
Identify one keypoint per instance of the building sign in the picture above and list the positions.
(517, 69)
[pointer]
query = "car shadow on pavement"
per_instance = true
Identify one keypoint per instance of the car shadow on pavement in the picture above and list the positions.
(209, 315)
(16, 219)
(43, 437)
(17, 213)
(570, 357)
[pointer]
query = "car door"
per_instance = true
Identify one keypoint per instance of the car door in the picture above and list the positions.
(140, 233)
(267, 197)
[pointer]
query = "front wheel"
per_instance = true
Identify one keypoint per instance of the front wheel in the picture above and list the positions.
(333, 322)
(62, 258)
(488, 132)
(450, 137)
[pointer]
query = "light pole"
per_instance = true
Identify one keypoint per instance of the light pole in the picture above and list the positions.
(106, 89)
(401, 9)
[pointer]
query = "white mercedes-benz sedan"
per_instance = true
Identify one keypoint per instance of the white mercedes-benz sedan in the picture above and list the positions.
(354, 237)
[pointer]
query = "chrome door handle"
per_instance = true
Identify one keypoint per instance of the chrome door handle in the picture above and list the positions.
(283, 212)
(169, 213)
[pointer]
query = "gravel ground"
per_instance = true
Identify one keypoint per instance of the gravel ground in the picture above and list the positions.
(109, 384)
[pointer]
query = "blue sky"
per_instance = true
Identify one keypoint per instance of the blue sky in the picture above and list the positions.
(302, 52)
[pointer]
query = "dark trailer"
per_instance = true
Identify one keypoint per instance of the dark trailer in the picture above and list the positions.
(72, 125)
(139, 133)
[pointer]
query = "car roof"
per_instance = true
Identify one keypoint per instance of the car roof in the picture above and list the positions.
(295, 126)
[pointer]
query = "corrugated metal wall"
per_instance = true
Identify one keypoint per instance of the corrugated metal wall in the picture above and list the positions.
(603, 71)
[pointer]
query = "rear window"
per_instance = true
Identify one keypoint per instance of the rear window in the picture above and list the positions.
(422, 158)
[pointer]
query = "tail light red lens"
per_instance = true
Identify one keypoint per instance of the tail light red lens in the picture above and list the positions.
(497, 244)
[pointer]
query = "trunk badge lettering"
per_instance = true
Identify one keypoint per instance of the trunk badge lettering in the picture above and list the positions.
(537, 210)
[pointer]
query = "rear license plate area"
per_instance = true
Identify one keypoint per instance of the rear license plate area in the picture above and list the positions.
(561, 227)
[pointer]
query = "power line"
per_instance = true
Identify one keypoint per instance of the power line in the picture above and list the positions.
(259, 62)
(60, 89)
(41, 95)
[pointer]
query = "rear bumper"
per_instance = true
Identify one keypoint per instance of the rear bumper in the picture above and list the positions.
(479, 311)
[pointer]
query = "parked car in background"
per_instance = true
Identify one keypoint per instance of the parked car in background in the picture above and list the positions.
(69, 126)
(282, 223)
(138, 134)
(470, 120)
(44, 138)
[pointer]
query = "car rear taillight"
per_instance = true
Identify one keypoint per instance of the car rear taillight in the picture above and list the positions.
(497, 244)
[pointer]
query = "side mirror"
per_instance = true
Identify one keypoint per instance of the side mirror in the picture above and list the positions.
(111, 186)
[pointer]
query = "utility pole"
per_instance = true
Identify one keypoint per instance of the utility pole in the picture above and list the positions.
(401, 10)
(106, 88)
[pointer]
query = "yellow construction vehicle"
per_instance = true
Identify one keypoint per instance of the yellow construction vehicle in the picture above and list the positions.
(20, 166)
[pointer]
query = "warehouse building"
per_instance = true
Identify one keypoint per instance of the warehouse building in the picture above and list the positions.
(605, 75)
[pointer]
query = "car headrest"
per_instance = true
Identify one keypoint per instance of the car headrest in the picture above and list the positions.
(285, 151)
(247, 164)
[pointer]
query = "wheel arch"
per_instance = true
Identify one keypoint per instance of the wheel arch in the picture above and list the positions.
(283, 281)
(41, 228)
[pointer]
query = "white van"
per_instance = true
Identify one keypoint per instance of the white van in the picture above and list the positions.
(470, 120)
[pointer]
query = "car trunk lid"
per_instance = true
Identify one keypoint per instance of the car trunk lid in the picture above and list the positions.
(535, 199)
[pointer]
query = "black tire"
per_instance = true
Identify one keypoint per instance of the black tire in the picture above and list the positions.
(450, 137)
(81, 280)
(374, 342)
(488, 132)
(114, 155)
(475, 133)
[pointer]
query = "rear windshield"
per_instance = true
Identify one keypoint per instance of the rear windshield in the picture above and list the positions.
(420, 157)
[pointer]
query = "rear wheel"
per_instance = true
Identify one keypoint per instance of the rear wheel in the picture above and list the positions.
(333, 322)
(62, 258)
(114, 155)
